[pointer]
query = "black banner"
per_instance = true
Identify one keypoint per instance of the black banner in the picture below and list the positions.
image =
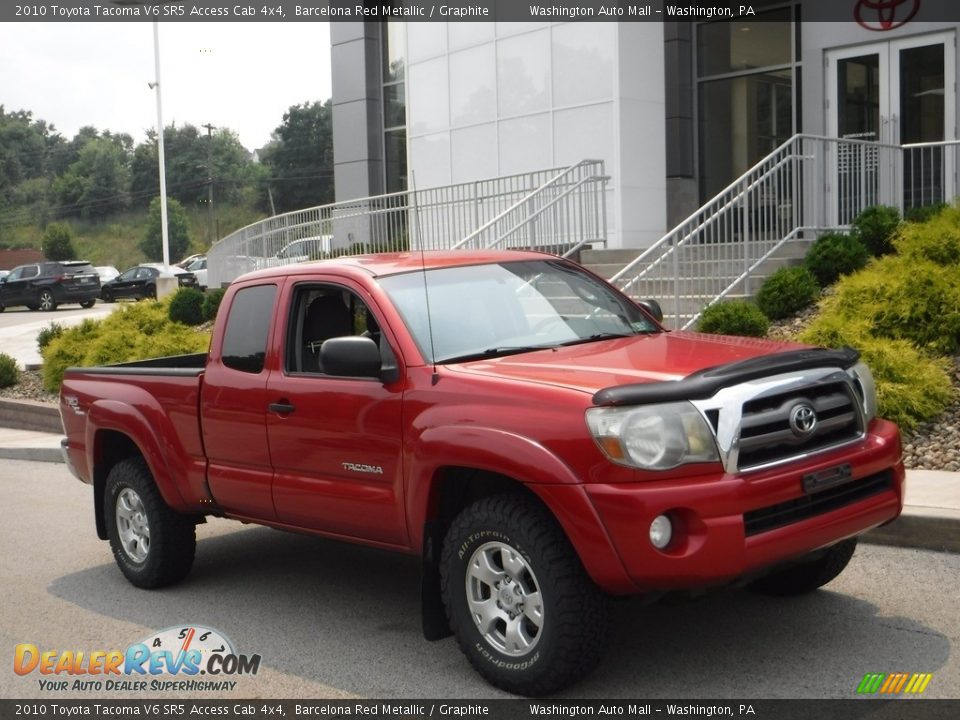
(881, 11)
(259, 709)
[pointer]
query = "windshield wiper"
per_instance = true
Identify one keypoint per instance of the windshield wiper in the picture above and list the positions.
(602, 336)
(493, 352)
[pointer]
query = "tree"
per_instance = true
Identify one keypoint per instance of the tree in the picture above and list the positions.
(300, 157)
(178, 229)
(58, 242)
(97, 183)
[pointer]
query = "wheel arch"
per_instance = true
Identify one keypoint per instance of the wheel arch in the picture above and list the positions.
(110, 448)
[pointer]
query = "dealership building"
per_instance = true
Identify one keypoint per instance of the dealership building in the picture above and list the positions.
(676, 110)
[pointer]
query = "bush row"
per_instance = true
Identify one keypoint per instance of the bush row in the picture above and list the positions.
(133, 332)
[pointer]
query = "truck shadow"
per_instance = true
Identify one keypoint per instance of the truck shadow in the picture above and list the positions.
(348, 617)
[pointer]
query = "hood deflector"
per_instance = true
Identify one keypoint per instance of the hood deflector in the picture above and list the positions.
(704, 383)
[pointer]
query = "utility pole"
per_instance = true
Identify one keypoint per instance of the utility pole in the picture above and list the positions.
(163, 170)
(209, 128)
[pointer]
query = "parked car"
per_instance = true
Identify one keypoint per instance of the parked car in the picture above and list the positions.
(45, 285)
(3, 274)
(199, 268)
(140, 281)
(189, 259)
(106, 273)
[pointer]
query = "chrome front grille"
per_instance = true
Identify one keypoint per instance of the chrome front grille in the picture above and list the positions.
(768, 436)
(774, 420)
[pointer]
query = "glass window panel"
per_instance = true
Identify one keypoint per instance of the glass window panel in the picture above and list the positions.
(523, 73)
(394, 51)
(394, 107)
(473, 95)
(741, 120)
(429, 103)
(729, 46)
(858, 102)
(583, 62)
(921, 94)
(395, 149)
(248, 326)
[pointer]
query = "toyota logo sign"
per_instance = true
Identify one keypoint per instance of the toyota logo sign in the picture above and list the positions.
(883, 15)
(803, 420)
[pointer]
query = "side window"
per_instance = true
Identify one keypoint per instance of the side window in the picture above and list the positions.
(30, 271)
(15, 274)
(248, 327)
(321, 312)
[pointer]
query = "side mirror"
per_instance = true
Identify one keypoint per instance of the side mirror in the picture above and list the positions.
(652, 307)
(350, 356)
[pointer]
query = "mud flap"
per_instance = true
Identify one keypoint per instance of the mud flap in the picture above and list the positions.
(435, 625)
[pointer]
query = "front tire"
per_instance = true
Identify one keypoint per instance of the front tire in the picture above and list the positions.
(807, 576)
(106, 296)
(87, 304)
(153, 545)
(519, 601)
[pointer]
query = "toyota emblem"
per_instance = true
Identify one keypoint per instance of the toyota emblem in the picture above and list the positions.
(803, 420)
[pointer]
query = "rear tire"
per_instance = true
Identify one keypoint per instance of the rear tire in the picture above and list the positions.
(805, 577)
(46, 301)
(523, 609)
(153, 545)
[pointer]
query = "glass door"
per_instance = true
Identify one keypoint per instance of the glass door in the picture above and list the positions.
(881, 97)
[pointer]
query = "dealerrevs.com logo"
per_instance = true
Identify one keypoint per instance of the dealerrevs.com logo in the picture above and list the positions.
(184, 659)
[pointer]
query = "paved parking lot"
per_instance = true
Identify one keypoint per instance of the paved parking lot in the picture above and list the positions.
(19, 327)
(333, 620)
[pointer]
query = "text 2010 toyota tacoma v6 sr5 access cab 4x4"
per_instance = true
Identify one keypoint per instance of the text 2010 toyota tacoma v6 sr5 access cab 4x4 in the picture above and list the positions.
(535, 436)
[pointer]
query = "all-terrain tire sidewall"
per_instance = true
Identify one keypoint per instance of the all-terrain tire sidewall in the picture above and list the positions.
(569, 644)
(172, 535)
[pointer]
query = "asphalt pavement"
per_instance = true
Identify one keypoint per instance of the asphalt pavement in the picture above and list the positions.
(19, 327)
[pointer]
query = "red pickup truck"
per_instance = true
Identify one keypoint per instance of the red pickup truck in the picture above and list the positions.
(535, 436)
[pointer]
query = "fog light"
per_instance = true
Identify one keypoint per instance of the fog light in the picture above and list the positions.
(661, 530)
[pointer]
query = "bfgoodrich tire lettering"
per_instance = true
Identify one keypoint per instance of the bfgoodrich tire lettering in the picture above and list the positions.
(522, 607)
(805, 577)
(153, 545)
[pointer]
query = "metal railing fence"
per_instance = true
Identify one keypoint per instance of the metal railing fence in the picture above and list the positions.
(808, 185)
(557, 210)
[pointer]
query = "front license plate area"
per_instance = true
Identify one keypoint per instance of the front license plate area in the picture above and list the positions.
(826, 479)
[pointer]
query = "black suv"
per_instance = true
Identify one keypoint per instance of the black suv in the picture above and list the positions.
(43, 286)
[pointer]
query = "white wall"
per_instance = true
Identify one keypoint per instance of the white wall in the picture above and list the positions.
(489, 99)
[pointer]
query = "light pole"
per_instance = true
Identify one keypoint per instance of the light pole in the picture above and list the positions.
(163, 169)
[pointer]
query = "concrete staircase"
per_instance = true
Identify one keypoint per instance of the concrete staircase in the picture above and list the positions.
(700, 268)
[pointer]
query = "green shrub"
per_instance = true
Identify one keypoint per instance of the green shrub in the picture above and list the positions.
(833, 255)
(132, 332)
(911, 386)
(903, 298)
(9, 372)
(50, 332)
(734, 318)
(186, 306)
(787, 291)
(937, 239)
(211, 303)
(924, 212)
(875, 227)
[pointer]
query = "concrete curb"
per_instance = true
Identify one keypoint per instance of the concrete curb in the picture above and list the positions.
(35, 454)
(30, 415)
(920, 528)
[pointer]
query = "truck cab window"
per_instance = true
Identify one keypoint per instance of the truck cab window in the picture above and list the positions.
(248, 326)
(324, 312)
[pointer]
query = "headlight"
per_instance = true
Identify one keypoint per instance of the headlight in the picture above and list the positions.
(866, 389)
(653, 437)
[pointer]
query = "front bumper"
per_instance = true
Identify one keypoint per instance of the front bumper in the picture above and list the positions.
(722, 523)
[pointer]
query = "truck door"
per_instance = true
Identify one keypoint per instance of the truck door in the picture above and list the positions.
(233, 406)
(335, 442)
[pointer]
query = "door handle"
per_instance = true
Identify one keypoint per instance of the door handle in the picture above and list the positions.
(281, 408)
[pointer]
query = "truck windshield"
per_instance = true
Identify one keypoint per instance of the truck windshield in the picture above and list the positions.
(482, 311)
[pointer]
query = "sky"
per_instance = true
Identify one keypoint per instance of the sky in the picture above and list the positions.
(243, 76)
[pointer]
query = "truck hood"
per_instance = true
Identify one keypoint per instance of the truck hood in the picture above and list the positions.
(642, 359)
